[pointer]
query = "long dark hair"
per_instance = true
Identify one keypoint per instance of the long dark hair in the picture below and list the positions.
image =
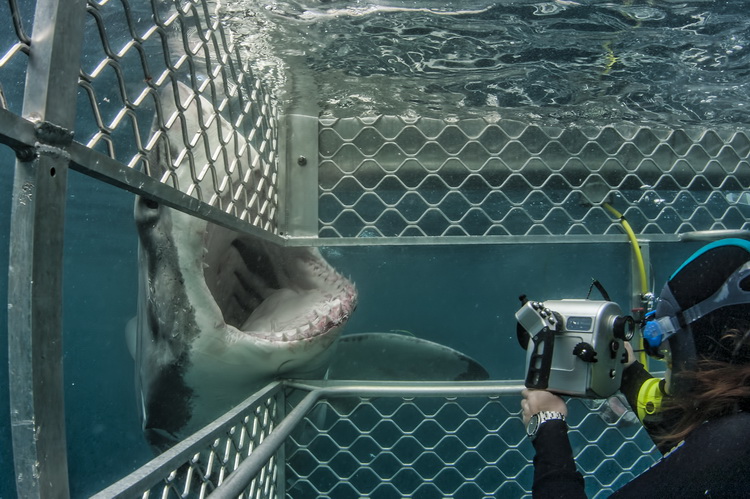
(719, 386)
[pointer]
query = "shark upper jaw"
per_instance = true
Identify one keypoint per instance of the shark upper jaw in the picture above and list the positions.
(267, 294)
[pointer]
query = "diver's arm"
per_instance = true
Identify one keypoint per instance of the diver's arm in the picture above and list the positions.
(555, 473)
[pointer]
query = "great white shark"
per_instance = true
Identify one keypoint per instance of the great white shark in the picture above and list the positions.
(221, 313)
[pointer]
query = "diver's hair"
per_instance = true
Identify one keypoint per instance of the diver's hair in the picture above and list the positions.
(717, 388)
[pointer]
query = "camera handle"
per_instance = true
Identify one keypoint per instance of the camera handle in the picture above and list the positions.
(540, 325)
(540, 363)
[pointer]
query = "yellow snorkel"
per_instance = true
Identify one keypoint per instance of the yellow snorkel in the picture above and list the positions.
(598, 194)
(639, 263)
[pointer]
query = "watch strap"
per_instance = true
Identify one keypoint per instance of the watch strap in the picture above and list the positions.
(540, 418)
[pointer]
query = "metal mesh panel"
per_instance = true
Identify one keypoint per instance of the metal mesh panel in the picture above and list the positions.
(389, 176)
(450, 447)
(199, 464)
(216, 125)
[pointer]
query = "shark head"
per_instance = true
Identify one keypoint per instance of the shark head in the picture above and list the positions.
(222, 313)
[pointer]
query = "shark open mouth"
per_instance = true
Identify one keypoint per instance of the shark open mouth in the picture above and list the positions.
(274, 293)
(220, 313)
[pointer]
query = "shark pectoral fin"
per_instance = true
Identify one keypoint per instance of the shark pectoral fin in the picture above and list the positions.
(396, 357)
(131, 332)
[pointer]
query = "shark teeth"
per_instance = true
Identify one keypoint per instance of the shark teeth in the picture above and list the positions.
(274, 294)
(332, 312)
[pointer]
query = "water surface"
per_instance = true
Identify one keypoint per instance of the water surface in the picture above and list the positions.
(668, 62)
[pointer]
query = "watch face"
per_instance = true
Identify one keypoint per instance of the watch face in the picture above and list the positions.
(540, 417)
(533, 425)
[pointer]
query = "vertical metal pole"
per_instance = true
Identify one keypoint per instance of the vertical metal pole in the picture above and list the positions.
(281, 453)
(35, 259)
(299, 181)
(298, 153)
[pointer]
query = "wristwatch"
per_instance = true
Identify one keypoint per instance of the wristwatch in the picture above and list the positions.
(540, 417)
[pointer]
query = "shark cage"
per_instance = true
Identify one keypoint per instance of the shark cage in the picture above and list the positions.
(157, 97)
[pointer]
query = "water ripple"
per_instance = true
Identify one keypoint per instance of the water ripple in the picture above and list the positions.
(672, 62)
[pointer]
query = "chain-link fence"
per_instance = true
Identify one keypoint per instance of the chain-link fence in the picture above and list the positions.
(391, 177)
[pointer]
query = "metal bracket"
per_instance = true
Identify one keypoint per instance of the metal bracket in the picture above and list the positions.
(53, 135)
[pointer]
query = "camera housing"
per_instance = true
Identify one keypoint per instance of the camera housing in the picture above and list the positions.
(574, 347)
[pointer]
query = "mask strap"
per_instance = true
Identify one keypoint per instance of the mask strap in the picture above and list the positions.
(728, 294)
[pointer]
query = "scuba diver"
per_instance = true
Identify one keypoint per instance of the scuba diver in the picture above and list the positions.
(699, 415)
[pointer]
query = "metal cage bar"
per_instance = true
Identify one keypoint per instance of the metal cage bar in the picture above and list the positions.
(35, 270)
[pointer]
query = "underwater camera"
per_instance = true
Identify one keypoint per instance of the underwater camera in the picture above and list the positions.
(574, 347)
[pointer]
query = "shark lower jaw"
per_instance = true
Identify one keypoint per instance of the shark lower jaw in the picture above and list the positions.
(270, 294)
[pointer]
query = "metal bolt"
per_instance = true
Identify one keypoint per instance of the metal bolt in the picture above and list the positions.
(25, 154)
(302, 161)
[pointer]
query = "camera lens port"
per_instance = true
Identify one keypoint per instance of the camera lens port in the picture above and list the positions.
(624, 327)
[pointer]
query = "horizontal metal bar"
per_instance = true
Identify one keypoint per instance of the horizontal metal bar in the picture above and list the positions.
(714, 235)
(157, 469)
(15, 131)
(497, 171)
(409, 389)
(474, 240)
(106, 169)
(18, 133)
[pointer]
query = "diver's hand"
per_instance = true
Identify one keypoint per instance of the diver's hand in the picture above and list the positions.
(541, 400)
(631, 354)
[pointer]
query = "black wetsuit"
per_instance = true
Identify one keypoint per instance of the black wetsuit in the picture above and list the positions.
(713, 461)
